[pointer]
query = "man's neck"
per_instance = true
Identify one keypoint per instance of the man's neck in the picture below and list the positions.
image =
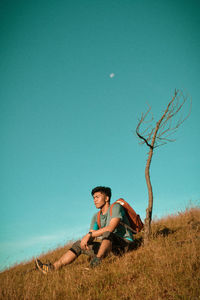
(105, 208)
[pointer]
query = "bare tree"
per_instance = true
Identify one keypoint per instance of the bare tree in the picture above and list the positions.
(158, 134)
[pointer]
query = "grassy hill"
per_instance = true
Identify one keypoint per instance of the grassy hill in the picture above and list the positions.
(167, 268)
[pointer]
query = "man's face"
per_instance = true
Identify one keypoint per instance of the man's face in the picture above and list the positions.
(100, 199)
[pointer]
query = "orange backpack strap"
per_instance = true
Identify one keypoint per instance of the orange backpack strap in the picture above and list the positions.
(99, 219)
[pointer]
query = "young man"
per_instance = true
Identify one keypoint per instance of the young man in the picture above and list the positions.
(112, 234)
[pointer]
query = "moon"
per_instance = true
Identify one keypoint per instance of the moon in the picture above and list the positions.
(112, 75)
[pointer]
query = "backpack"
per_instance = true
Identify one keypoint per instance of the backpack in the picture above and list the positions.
(136, 224)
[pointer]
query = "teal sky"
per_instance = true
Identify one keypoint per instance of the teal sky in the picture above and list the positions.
(66, 126)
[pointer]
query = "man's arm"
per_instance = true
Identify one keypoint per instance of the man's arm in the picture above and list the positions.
(114, 222)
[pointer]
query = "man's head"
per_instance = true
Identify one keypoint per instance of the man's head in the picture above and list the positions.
(101, 195)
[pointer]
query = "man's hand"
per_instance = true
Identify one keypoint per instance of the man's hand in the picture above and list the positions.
(84, 242)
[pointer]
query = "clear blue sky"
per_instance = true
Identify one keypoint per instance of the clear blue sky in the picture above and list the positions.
(67, 126)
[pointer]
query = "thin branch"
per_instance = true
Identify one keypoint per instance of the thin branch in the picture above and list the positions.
(167, 140)
(166, 126)
(145, 140)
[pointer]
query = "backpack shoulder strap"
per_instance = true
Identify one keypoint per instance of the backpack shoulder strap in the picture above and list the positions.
(99, 219)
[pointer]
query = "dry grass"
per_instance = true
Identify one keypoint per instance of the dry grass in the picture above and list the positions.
(167, 268)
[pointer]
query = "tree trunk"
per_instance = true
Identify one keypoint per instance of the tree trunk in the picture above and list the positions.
(166, 127)
(147, 223)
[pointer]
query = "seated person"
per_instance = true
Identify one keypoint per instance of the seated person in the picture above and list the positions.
(112, 234)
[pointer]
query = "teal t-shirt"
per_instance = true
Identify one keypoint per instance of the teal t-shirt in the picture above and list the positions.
(117, 212)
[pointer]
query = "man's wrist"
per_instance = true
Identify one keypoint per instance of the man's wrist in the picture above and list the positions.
(91, 237)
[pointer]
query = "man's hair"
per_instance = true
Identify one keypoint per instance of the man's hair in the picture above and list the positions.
(103, 189)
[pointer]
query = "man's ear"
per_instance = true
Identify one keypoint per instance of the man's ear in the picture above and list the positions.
(107, 199)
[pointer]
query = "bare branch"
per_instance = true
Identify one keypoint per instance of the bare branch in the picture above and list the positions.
(167, 140)
(169, 122)
(142, 135)
(145, 140)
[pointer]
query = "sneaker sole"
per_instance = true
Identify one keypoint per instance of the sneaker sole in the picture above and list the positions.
(39, 268)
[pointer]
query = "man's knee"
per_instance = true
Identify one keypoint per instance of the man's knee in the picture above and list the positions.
(76, 248)
(107, 236)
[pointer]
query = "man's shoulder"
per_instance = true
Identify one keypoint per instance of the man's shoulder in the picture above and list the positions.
(117, 210)
(117, 206)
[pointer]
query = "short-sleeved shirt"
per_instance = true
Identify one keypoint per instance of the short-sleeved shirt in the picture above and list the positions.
(117, 212)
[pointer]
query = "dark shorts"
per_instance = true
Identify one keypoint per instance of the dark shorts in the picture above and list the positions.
(119, 245)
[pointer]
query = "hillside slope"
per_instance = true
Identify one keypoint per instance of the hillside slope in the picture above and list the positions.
(167, 268)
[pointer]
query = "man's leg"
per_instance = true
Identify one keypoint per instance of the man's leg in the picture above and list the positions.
(110, 242)
(66, 259)
(105, 248)
(74, 252)
(69, 256)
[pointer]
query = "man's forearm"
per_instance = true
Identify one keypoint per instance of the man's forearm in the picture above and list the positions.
(99, 232)
(111, 227)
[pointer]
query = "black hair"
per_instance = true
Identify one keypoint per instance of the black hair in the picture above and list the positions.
(103, 189)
